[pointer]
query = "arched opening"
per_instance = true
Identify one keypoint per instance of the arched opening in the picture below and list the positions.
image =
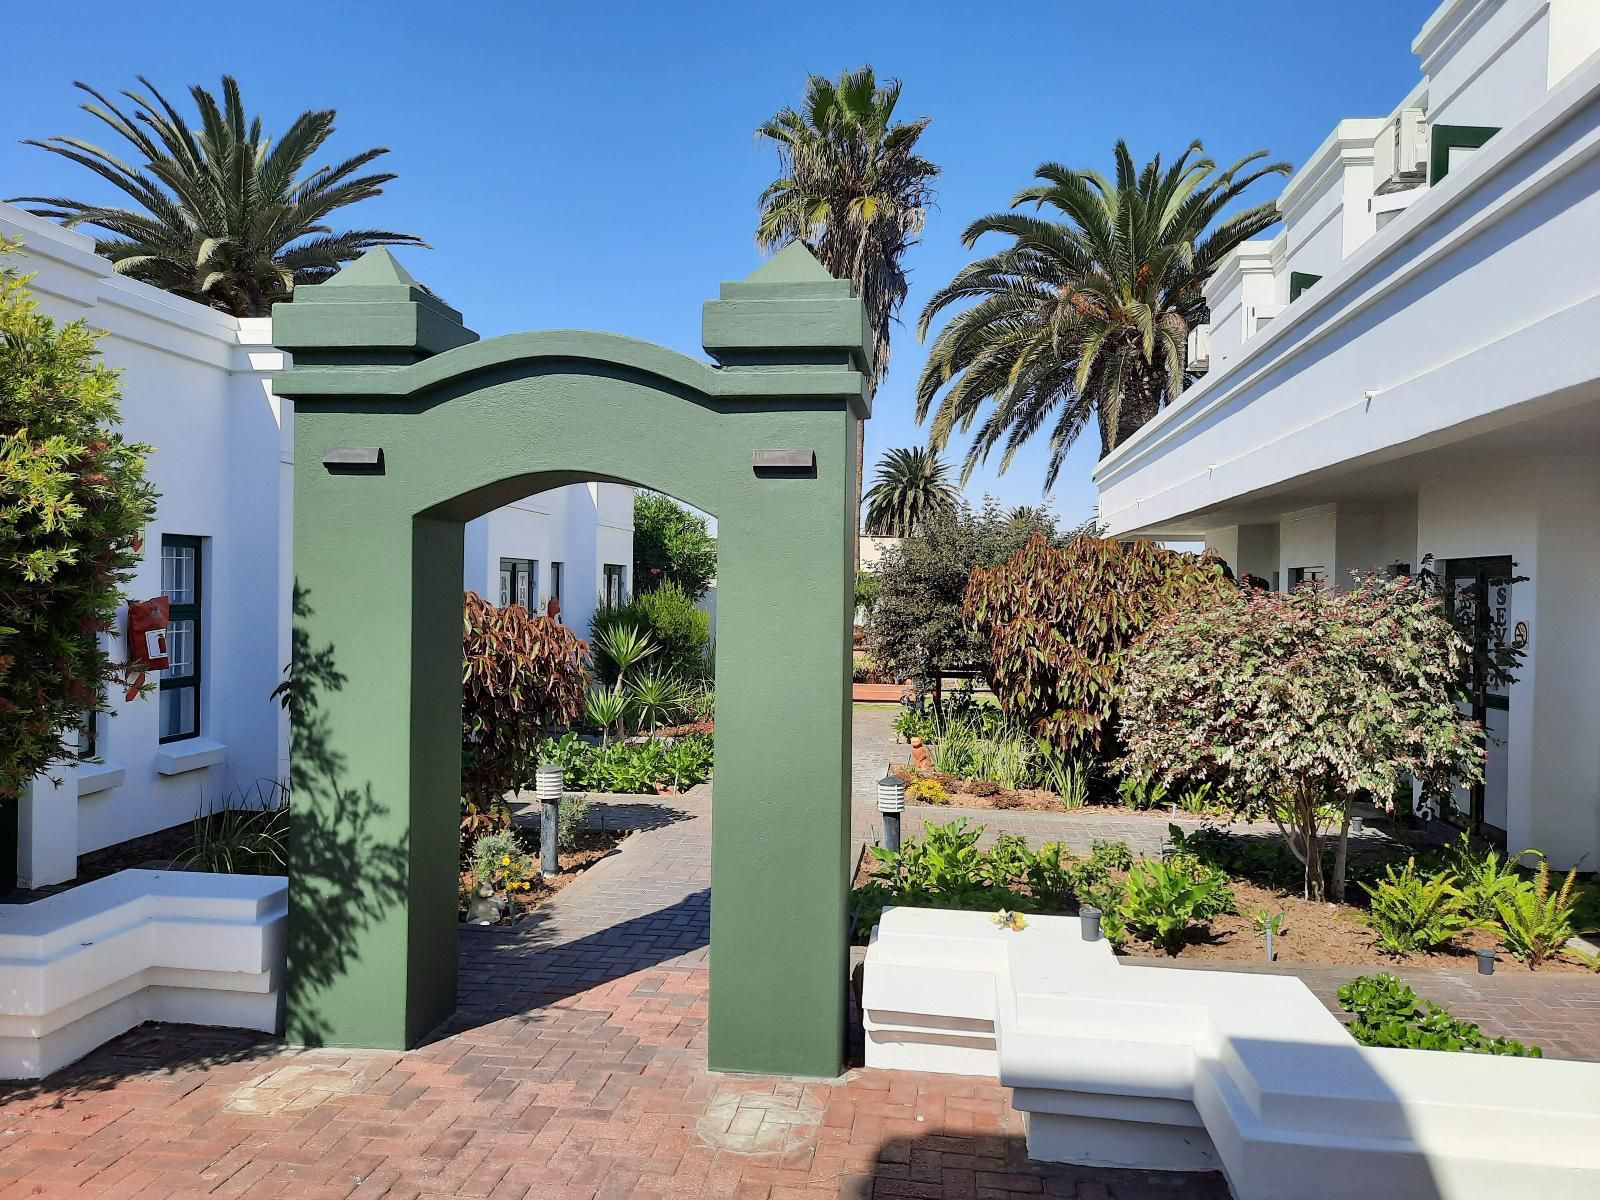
(397, 447)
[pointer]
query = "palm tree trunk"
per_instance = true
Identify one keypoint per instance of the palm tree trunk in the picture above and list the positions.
(1139, 405)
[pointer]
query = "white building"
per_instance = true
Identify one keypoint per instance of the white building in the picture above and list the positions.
(1410, 368)
(196, 384)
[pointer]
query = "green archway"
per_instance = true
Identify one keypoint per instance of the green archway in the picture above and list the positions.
(406, 426)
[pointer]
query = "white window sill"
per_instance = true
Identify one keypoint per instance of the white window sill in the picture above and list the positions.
(190, 754)
(99, 777)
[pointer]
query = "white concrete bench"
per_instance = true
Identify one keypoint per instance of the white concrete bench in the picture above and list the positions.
(1160, 1068)
(82, 966)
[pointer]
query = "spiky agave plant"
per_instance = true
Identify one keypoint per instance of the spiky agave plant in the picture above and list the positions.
(223, 214)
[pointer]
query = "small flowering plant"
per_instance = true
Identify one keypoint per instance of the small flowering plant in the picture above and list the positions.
(1007, 919)
(499, 862)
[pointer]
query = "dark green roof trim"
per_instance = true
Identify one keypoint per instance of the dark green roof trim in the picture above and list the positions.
(1445, 138)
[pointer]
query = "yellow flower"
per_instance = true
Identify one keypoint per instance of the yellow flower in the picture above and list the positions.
(505, 860)
(1007, 919)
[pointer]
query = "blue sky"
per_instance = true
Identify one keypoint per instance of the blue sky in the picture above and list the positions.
(594, 166)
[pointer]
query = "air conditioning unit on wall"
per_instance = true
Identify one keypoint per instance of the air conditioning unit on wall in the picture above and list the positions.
(1400, 155)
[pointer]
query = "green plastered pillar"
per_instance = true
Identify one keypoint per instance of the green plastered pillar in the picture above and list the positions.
(406, 427)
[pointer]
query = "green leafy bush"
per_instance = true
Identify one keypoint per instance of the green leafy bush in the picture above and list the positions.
(672, 546)
(1056, 621)
(632, 767)
(1162, 901)
(1388, 1013)
(915, 627)
(1534, 921)
(942, 869)
(572, 819)
(667, 616)
(73, 502)
(1412, 912)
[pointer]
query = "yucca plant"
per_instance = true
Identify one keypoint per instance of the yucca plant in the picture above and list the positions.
(1535, 922)
(1412, 912)
(226, 214)
(620, 649)
(607, 708)
(656, 698)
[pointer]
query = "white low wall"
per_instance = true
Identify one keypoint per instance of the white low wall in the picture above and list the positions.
(1166, 1069)
(82, 966)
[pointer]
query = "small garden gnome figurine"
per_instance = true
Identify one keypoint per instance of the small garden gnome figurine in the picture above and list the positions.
(920, 758)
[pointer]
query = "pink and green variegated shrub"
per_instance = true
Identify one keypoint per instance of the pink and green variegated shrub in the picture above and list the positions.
(1305, 699)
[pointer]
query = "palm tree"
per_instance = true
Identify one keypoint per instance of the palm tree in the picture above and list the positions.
(911, 486)
(854, 190)
(224, 215)
(1088, 317)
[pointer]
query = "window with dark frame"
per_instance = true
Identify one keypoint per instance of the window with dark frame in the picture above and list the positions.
(88, 736)
(518, 582)
(616, 577)
(556, 572)
(181, 568)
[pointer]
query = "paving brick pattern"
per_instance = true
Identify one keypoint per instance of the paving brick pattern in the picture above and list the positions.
(1559, 1013)
(574, 1068)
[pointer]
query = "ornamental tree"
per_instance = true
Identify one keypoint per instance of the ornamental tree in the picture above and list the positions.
(1307, 700)
(914, 628)
(73, 499)
(671, 544)
(1056, 622)
(522, 676)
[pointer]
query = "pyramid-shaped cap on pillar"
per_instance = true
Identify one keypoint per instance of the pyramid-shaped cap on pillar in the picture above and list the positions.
(373, 305)
(788, 310)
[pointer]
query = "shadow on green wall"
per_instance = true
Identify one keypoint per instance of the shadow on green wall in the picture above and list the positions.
(346, 876)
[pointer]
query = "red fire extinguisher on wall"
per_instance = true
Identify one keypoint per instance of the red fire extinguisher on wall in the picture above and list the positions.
(147, 639)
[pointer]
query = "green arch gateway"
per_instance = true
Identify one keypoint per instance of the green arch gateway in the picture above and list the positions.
(406, 426)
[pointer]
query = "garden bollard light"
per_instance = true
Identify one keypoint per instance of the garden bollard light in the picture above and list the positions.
(1089, 922)
(891, 803)
(1485, 962)
(1165, 851)
(1357, 824)
(1272, 952)
(548, 784)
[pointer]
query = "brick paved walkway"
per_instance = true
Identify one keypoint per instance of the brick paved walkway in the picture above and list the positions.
(575, 1068)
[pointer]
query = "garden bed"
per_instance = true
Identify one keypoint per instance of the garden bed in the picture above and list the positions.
(1244, 886)
(589, 847)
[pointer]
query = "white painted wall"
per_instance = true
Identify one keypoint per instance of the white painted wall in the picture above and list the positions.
(1394, 411)
(196, 384)
(581, 526)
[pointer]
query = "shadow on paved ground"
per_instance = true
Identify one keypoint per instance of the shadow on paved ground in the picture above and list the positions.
(949, 1165)
(150, 1052)
(516, 971)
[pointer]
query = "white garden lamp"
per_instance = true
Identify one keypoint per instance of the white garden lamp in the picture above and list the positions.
(891, 803)
(548, 784)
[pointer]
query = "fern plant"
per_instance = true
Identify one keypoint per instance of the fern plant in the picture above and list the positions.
(1412, 912)
(1534, 922)
(1485, 879)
